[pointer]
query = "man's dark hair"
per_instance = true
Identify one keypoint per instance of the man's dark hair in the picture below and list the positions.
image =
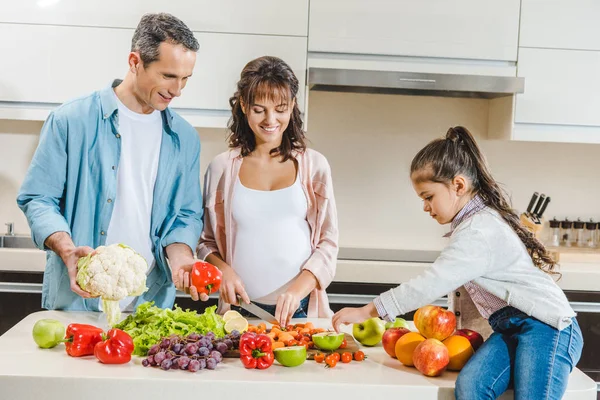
(154, 29)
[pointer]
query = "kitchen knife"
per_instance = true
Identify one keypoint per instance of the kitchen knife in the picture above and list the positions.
(546, 201)
(258, 312)
(537, 208)
(532, 203)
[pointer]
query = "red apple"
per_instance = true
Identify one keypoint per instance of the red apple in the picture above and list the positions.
(475, 338)
(431, 357)
(390, 337)
(435, 322)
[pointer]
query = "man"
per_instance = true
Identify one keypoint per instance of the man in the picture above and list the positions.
(119, 166)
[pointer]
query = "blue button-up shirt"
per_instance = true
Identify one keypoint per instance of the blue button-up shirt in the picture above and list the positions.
(73, 174)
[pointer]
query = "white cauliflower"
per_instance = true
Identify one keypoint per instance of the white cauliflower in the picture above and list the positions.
(113, 273)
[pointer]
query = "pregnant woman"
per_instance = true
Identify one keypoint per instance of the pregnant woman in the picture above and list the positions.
(270, 220)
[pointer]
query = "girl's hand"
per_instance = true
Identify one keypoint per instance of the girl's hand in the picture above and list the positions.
(347, 316)
(231, 286)
(287, 304)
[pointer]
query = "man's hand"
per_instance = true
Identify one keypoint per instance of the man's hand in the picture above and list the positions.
(62, 244)
(181, 260)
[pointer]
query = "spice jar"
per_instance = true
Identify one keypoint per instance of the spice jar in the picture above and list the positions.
(592, 229)
(566, 232)
(555, 238)
(579, 232)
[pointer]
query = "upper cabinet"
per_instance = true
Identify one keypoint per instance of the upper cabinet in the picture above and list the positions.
(560, 24)
(461, 29)
(66, 73)
(559, 57)
(62, 50)
(562, 87)
(266, 17)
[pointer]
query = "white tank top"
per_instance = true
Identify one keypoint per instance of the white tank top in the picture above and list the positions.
(272, 240)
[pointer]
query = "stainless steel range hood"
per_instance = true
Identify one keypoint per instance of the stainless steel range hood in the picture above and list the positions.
(413, 83)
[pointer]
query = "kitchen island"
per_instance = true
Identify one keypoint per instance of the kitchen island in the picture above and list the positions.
(28, 372)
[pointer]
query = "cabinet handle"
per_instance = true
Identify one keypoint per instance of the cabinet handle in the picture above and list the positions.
(417, 80)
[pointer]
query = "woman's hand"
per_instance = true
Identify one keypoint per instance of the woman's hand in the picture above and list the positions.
(232, 286)
(347, 316)
(287, 304)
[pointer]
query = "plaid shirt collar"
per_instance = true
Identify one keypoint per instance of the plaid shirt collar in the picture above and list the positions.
(474, 205)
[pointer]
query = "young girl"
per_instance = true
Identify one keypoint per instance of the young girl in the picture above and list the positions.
(270, 221)
(505, 270)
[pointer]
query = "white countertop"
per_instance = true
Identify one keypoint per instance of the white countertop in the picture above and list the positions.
(579, 272)
(27, 372)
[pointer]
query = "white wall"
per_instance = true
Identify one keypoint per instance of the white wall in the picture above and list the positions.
(370, 141)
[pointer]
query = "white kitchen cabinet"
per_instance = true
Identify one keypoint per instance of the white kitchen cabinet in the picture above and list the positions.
(270, 17)
(466, 29)
(65, 62)
(560, 24)
(562, 87)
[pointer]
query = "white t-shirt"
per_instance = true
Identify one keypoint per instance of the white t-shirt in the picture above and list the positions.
(272, 240)
(141, 137)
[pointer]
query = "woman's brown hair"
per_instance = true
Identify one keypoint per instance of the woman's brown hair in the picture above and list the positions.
(266, 77)
(458, 154)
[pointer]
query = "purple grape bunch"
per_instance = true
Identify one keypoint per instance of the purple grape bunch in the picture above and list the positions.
(193, 352)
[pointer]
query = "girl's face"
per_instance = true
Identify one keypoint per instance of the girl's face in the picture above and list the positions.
(268, 119)
(442, 202)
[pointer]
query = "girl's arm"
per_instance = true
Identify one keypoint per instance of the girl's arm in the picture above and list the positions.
(467, 257)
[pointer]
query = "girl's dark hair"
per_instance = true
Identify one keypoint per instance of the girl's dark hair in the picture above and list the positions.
(458, 154)
(271, 78)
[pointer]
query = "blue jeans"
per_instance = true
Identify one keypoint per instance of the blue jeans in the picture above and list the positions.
(301, 312)
(523, 353)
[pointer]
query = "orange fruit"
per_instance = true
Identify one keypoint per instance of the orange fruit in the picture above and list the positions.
(459, 350)
(405, 347)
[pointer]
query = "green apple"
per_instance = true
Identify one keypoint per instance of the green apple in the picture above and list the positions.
(369, 332)
(328, 340)
(398, 323)
(290, 356)
(47, 333)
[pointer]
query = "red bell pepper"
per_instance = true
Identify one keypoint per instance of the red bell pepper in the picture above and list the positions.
(256, 351)
(206, 277)
(80, 339)
(115, 348)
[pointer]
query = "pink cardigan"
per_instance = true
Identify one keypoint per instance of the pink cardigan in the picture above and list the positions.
(219, 227)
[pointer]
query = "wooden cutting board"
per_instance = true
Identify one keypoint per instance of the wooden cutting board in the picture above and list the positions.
(310, 354)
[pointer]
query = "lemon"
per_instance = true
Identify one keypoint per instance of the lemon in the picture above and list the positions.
(239, 324)
(290, 356)
(231, 314)
(328, 340)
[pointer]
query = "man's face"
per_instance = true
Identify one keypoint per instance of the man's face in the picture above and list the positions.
(159, 82)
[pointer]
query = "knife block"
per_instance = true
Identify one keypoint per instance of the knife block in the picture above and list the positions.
(532, 226)
(536, 229)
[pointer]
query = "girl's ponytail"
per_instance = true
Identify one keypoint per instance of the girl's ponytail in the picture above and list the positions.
(459, 154)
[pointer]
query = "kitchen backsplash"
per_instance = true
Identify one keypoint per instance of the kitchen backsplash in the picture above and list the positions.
(370, 141)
